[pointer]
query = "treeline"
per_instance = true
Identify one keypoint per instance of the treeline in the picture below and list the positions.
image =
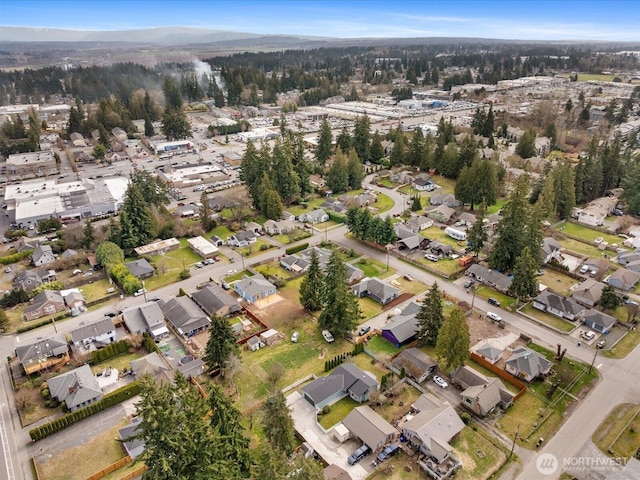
(364, 226)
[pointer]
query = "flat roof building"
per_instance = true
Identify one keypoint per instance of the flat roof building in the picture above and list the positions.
(202, 247)
(31, 164)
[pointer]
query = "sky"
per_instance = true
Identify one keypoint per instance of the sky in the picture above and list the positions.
(616, 20)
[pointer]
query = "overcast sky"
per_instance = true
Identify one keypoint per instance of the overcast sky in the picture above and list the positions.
(514, 19)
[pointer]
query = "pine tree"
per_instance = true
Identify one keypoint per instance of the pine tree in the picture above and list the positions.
(341, 309)
(88, 235)
(338, 176)
(416, 148)
(430, 317)
(362, 137)
(477, 233)
(344, 140)
(355, 171)
(524, 285)
(564, 187)
(137, 224)
(453, 341)
(221, 344)
(399, 148)
(285, 178)
(377, 150)
(312, 284)
(324, 148)
(278, 424)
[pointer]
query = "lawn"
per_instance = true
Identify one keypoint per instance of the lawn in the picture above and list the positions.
(624, 346)
(369, 308)
(385, 182)
(221, 231)
(557, 281)
(447, 266)
(373, 268)
(585, 249)
(328, 225)
(380, 345)
(273, 268)
(383, 203)
(619, 434)
(255, 249)
(79, 462)
(588, 234)
(506, 302)
(548, 319)
(312, 204)
(480, 454)
(337, 412)
(296, 235)
(435, 233)
(365, 362)
(234, 277)
(403, 394)
(585, 77)
(96, 290)
(120, 363)
(495, 208)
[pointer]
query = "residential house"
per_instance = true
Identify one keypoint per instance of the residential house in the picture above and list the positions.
(423, 184)
(595, 213)
(369, 427)
(550, 249)
(133, 445)
(440, 213)
(146, 318)
(25, 243)
(140, 268)
(489, 352)
(119, 133)
(98, 333)
(402, 328)
(527, 364)
(253, 227)
(154, 366)
(633, 266)
(294, 263)
(300, 262)
(185, 316)
(317, 181)
(446, 199)
(376, 289)
(192, 368)
(491, 278)
(588, 292)
(279, 227)
(624, 257)
(254, 288)
(77, 140)
(623, 279)
(416, 364)
(469, 219)
(335, 205)
(73, 298)
(408, 239)
(360, 200)
(558, 305)
(47, 302)
(203, 247)
(482, 394)
(242, 239)
(68, 253)
(440, 249)
(77, 388)
(214, 300)
(43, 353)
(345, 380)
(433, 427)
(186, 211)
(401, 177)
(42, 255)
(219, 203)
(314, 216)
(598, 321)
(419, 223)
(29, 280)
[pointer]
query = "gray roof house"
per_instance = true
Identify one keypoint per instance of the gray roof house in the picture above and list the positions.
(42, 353)
(527, 364)
(408, 237)
(242, 239)
(440, 213)
(369, 427)
(420, 222)
(623, 279)
(154, 366)
(550, 249)
(140, 268)
(185, 316)
(29, 280)
(482, 394)
(625, 257)
(345, 380)
(588, 292)
(404, 327)
(77, 388)
(431, 430)
(598, 321)
(254, 288)
(133, 446)
(379, 291)
(214, 300)
(314, 216)
(492, 278)
(99, 333)
(417, 364)
(145, 318)
(489, 352)
(279, 227)
(558, 305)
(42, 255)
(446, 199)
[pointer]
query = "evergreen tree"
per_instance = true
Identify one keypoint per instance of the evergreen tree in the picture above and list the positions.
(138, 226)
(377, 150)
(631, 185)
(270, 202)
(453, 341)
(341, 309)
(477, 233)
(221, 344)
(415, 154)
(344, 140)
(301, 165)
(286, 180)
(338, 175)
(88, 235)
(564, 189)
(355, 171)
(278, 424)
(430, 317)
(324, 148)
(526, 147)
(524, 285)
(546, 200)
(362, 137)
(312, 284)
(399, 148)
(609, 300)
(205, 215)
(175, 125)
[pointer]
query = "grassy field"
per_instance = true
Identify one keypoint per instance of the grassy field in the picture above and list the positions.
(296, 235)
(337, 412)
(588, 234)
(383, 203)
(312, 204)
(120, 363)
(557, 281)
(96, 290)
(582, 248)
(506, 301)
(447, 266)
(369, 308)
(273, 268)
(385, 182)
(221, 231)
(475, 466)
(380, 345)
(255, 248)
(623, 422)
(495, 208)
(549, 319)
(436, 233)
(373, 268)
(585, 77)
(79, 462)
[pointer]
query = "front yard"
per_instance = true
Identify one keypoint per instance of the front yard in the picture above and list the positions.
(619, 434)
(557, 281)
(548, 319)
(480, 454)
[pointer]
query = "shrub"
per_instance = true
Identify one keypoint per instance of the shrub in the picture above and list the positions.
(465, 417)
(326, 409)
(184, 274)
(297, 248)
(264, 247)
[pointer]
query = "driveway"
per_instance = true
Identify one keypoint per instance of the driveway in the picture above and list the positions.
(333, 452)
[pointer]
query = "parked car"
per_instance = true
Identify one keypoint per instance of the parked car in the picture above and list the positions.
(142, 291)
(364, 330)
(7, 270)
(601, 343)
(154, 299)
(408, 277)
(494, 302)
(359, 454)
(326, 334)
(494, 317)
(389, 452)
(468, 283)
(294, 337)
(588, 335)
(440, 381)
(584, 269)
(110, 314)
(199, 264)
(432, 257)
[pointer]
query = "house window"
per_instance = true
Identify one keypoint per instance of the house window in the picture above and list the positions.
(467, 400)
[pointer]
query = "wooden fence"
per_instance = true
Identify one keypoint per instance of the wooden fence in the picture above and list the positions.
(114, 466)
(502, 374)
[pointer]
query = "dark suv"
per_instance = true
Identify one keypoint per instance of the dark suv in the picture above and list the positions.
(359, 454)
(494, 302)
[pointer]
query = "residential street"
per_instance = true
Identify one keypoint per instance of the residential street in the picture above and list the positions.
(620, 379)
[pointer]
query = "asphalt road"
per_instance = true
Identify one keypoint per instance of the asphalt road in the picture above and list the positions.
(619, 378)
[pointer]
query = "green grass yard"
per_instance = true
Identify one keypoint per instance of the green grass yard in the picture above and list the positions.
(547, 318)
(588, 234)
(338, 411)
(557, 281)
(619, 433)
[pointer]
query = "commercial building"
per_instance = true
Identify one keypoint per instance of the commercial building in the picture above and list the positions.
(31, 165)
(170, 147)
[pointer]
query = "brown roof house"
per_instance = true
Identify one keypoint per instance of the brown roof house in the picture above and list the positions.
(152, 365)
(369, 427)
(623, 279)
(77, 388)
(47, 302)
(482, 394)
(588, 292)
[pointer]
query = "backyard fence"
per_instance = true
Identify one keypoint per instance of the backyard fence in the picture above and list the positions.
(107, 470)
(502, 374)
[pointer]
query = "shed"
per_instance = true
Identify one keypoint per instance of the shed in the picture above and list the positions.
(341, 433)
(270, 337)
(254, 343)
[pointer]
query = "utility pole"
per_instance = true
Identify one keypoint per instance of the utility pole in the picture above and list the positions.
(515, 437)
(594, 358)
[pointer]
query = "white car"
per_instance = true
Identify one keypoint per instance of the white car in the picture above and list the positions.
(199, 264)
(142, 291)
(440, 381)
(294, 337)
(326, 334)
(7, 270)
(230, 272)
(588, 335)
(494, 316)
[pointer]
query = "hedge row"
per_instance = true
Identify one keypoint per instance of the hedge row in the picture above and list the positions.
(335, 361)
(110, 351)
(149, 344)
(16, 257)
(109, 400)
(297, 248)
(336, 217)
